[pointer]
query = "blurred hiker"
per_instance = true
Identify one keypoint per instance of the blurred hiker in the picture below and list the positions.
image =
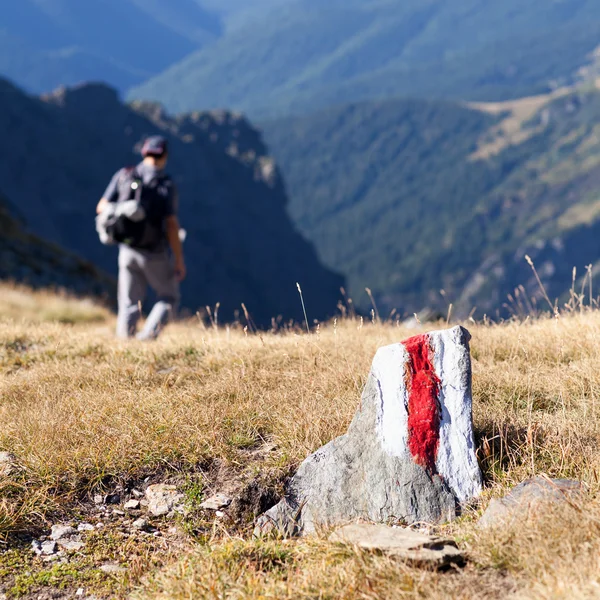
(139, 212)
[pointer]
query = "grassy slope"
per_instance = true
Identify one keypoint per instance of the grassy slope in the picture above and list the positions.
(409, 197)
(82, 411)
(305, 55)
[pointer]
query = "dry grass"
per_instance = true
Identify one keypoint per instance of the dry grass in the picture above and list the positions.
(80, 410)
(510, 132)
(25, 305)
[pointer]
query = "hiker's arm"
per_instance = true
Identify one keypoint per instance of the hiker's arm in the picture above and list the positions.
(101, 205)
(172, 228)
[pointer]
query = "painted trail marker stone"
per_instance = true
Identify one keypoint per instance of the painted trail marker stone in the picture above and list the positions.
(409, 454)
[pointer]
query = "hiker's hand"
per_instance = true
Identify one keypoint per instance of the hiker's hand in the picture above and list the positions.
(180, 270)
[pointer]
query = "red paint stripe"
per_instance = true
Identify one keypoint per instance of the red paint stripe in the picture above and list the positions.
(423, 402)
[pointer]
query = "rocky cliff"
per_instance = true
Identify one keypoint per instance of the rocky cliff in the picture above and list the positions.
(25, 258)
(58, 153)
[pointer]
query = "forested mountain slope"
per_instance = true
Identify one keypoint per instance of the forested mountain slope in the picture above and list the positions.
(46, 43)
(306, 54)
(399, 196)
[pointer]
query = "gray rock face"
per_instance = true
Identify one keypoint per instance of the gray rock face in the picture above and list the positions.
(375, 472)
(410, 545)
(528, 498)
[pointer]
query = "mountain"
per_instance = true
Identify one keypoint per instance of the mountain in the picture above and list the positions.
(25, 258)
(413, 197)
(58, 153)
(302, 55)
(47, 43)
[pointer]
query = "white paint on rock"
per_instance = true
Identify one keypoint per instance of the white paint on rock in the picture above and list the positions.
(456, 461)
(389, 368)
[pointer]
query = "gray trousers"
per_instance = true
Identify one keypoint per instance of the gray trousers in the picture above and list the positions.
(137, 270)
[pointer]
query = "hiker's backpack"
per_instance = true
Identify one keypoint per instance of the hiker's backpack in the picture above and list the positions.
(137, 218)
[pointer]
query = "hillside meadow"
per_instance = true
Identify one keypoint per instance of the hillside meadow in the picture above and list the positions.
(207, 406)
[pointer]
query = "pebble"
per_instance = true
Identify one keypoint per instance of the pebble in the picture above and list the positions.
(98, 499)
(60, 532)
(79, 592)
(132, 505)
(99, 525)
(119, 513)
(85, 527)
(220, 514)
(49, 547)
(71, 545)
(216, 502)
(137, 493)
(8, 463)
(112, 568)
(140, 524)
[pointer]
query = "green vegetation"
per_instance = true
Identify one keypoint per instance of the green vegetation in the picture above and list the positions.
(304, 55)
(392, 195)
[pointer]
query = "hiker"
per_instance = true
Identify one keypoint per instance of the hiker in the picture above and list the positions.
(138, 211)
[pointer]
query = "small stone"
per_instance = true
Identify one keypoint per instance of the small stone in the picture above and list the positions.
(112, 568)
(60, 532)
(220, 514)
(216, 502)
(132, 505)
(85, 527)
(49, 547)
(112, 499)
(527, 499)
(8, 463)
(79, 592)
(71, 545)
(162, 499)
(157, 534)
(36, 546)
(118, 513)
(98, 499)
(140, 524)
(99, 525)
(410, 545)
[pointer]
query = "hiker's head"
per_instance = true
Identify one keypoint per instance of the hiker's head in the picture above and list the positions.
(155, 151)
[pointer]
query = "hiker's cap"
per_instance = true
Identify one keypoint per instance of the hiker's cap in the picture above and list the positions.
(155, 146)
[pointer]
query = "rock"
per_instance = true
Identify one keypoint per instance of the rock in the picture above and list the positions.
(85, 527)
(216, 502)
(112, 568)
(98, 499)
(137, 493)
(49, 547)
(526, 499)
(162, 499)
(118, 513)
(404, 543)
(73, 545)
(140, 524)
(112, 499)
(8, 464)
(132, 505)
(409, 454)
(60, 532)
